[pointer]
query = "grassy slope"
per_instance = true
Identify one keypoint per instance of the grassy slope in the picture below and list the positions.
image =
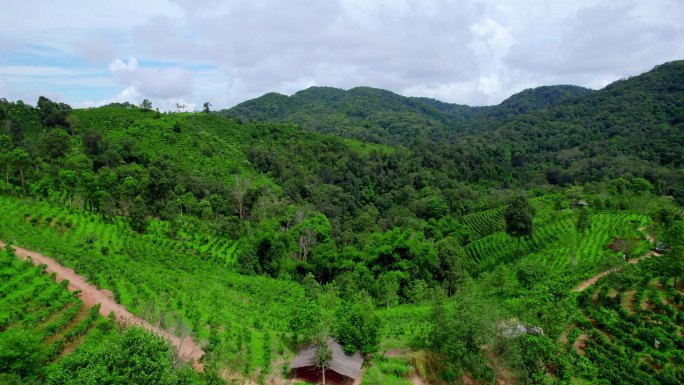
(153, 277)
(32, 300)
(178, 278)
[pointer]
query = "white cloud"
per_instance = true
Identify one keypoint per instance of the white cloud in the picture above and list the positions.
(121, 65)
(163, 83)
(474, 52)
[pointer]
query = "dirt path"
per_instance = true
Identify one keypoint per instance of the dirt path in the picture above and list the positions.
(585, 284)
(582, 286)
(187, 348)
(580, 343)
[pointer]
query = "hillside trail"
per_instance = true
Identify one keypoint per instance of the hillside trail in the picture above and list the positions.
(586, 284)
(188, 350)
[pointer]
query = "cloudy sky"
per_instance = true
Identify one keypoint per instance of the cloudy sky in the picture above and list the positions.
(88, 53)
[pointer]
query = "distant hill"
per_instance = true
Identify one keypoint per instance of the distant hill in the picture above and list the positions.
(365, 113)
(541, 97)
(569, 133)
(385, 117)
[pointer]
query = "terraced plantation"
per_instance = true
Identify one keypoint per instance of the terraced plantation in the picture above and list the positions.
(484, 223)
(537, 241)
(31, 300)
(631, 334)
(159, 279)
(555, 242)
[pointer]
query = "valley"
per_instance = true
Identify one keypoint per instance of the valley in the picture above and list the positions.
(443, 243)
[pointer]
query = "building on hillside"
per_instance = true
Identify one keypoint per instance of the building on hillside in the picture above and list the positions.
(343, 369)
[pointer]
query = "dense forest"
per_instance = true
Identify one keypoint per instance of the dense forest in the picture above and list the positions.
(390, 223)
(559, 135)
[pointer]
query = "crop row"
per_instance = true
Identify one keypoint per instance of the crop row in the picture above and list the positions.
(557, 244)
(639, 346)
(168, 285)
(485, 222)
(32, 300)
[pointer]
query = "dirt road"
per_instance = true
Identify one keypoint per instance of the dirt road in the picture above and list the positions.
(585, 284)
(187, 348)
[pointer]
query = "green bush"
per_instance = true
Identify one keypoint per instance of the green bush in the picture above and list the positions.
(21, 352)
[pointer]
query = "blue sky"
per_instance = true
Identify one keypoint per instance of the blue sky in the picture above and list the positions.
(88, 53)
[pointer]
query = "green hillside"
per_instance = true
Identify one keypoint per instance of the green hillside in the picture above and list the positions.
(559, 135)
(48, 335)
(423, 234)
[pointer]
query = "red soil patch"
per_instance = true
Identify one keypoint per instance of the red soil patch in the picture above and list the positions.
(580, 343)
(394, 353)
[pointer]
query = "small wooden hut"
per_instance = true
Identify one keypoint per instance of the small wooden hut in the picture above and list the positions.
(342, 370)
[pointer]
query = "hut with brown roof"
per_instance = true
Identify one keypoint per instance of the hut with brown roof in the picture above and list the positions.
(342, 370)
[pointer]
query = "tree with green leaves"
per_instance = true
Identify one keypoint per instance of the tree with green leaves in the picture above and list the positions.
(674, 255)
(306, 321)
(52, 113)
(20, 161)
(322, 353)
(21, 352)
(357, 326)
(460, 328)
(583, 221)
(6, 148)
(206, 107)
(69, 181)
(146, 104)
(387, 288)
(139, 215)
(519, 218)
(582, 224)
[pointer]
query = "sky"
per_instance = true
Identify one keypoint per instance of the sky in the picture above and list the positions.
(89, 53)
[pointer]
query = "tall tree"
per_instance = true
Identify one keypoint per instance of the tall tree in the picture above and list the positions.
(53, 114)
(322, 354)
(239, 190)
(69, 182)
(674, 255)
(357, 326)
(583, 221)
(206, 107)
(6, 147)
(20, 160)
(146, 104)
(519, 219)
(582, 224)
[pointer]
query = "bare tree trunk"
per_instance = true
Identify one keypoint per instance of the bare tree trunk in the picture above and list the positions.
(306, 240)
(23, 188)
(239, 191)
(324, 375)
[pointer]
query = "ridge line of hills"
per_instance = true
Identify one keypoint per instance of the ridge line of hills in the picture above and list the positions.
(393, 223)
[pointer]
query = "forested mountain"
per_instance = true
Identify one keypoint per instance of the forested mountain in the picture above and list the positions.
(361, 113)
(385, 117)
(391, 223)
(563, 134)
